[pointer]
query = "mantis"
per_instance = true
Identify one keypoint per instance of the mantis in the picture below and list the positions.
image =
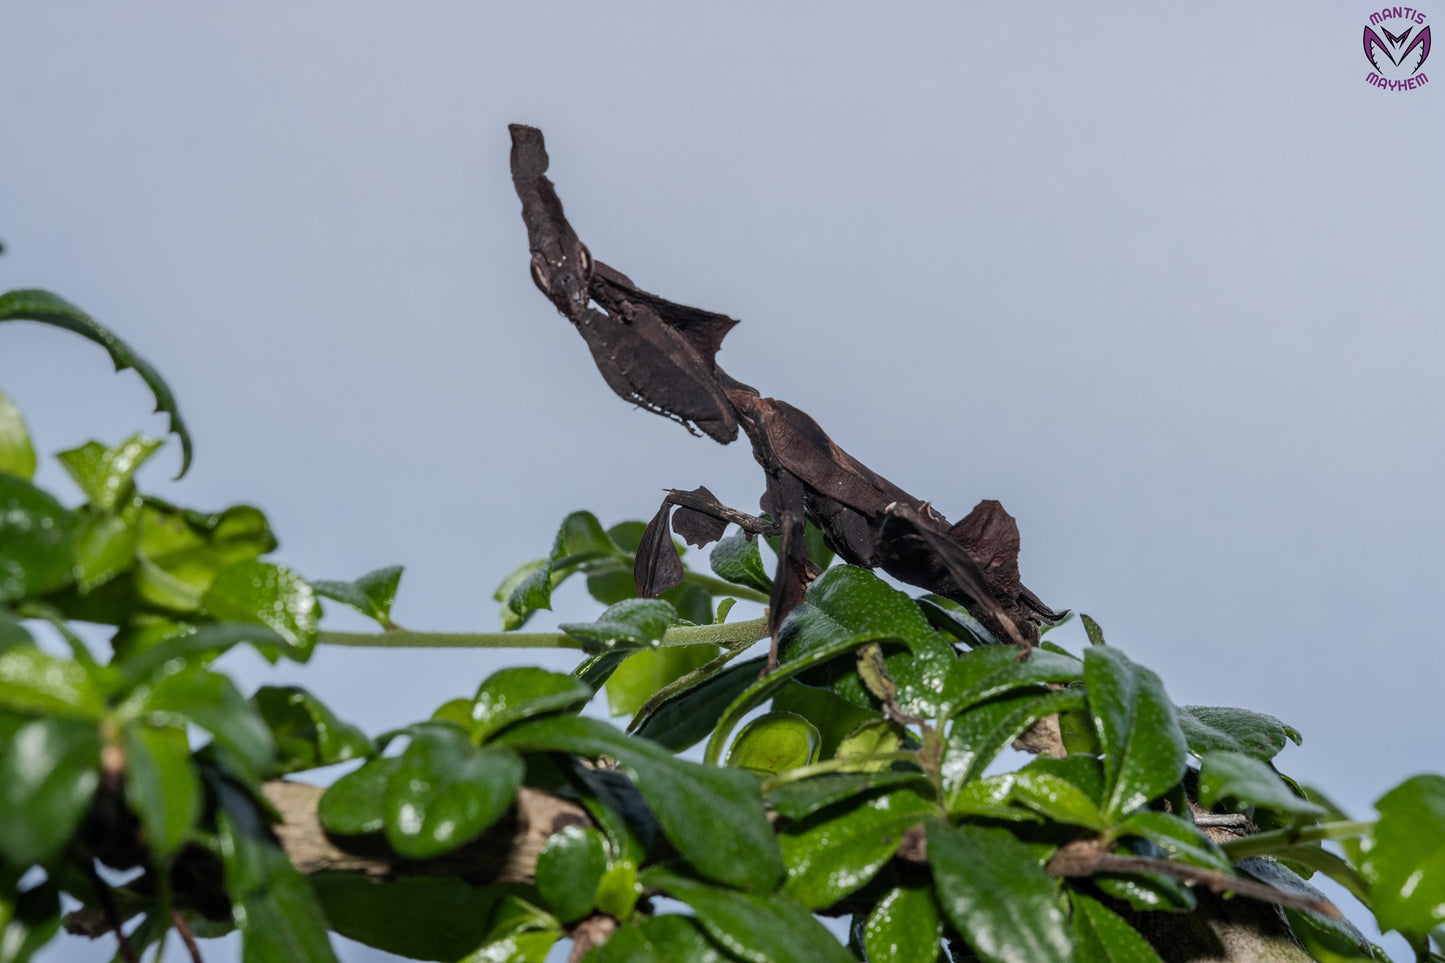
(662, 356)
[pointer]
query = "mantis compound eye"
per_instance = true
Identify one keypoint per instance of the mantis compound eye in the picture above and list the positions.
(584, 258)
(539, 276)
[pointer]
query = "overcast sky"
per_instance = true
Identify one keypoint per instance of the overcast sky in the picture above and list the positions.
(1167, 284)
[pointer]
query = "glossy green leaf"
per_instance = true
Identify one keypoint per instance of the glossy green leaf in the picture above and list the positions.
(104, 547)
(905, 927)
(594, 670)
(17, 454)
(12, 632)
(33, 682)
(985, 673)
(569, 870)
(1146, 892)
(948, 616)
(1092, 630)
(355, 804)
(630, 623)
(804, 797)
(736, 558)
(274, 906)
(518, 593)
(37, 534)
(517, 932)
(371, 594)
(47, 308)
(1056, 797)
(1218, 729)
(659, 939)
(1143, 747)
(1178, 837)
(1104, 936)
(714, 817)
(307, 734)
(978, 735)
(511, 695)
(993, 890)
(754, 927)
(194, 694)
(142, 651)
(687, 717)
(580, 544)
(445, 791)
(270, 595)
(1405, 859)
(832, 854)
(869, 740)
(161, 785)
(49, 770)
(775, 742)
(643, 673)
(179, 552)
(421, 917)
(1328, 938)
(1248, 782)
(105, 474)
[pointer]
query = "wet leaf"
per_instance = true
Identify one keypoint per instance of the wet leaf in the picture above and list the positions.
(161, 785)
(1405, 860)
(804, 797)
(33, 682)
(643, 673)
(994, 891)
(195, 695)
(17, 454)
(511, 695)
(775, 742)
(1143, 748)
(688, 716)
(905, 927)
(737, 559)
(47, 308)
(762, 929)
(180, 552)
(714, 817)
(421, 917)
(1106, 937)
(307, 734)
(354, 805)
(38, 533)
(831, 854)
(445, 792)
(977, 736)
(1248, 782)
(49, 770)
(569, 870)
(1178, 837)
(835, 717)
(371, 594)
(1216, 729)
(271, 595)
(105, 474)
(631, 623)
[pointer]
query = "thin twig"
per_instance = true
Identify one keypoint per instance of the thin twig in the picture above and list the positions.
(187, 937)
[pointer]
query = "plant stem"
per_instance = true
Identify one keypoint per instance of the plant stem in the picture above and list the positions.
(1265, 844)
(716, 586)
(726, 634)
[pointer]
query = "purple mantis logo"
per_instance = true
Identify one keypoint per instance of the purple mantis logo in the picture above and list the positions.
(1398, 50)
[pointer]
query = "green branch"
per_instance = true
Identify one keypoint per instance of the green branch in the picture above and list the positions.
(729, 634)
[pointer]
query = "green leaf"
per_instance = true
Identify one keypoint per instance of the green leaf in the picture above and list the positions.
(736, 558)
(307, 734)
(180, 552)
(832, 854)
(948, 616)
(1328, 939)
(104, 547)
(12, 632)
(1217, 729)
(371, 594)
(873, 738)
(630, 623)
(161, 785)
(104, 474)
(29, 919)
(49, 770)
(834, 716)
(37, 534)
(354, 805)
(579, 546)
(1056, 797)
(994, 892)
(1104, 936)
(644, 673)
(713, 817)
(1144, 749)
(445, 791)
(523, 592)
(1092, 630)
(986, 673)
(1406, 857)
(659, 939)
(775, 742)
(17, 454)
(34, 683)
(518, 932)
(1178, 837)
(687, 716)
(421, 917)
(758, 928)
(1249, 782)
(804, 797)
(144, 650)
(569, 870)
(194, 694)
(267, 594)
(978, 735)
(905, 927)
(46, 308)
(511, 695)
(274, 906)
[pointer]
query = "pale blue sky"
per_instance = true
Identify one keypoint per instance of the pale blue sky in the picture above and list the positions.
(1165, 282)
